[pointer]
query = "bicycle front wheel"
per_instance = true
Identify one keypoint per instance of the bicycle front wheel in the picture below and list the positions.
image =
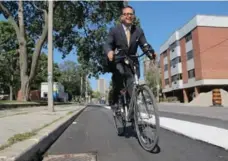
(146, 118)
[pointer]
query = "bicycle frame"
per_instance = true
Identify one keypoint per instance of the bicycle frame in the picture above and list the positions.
(128, 112)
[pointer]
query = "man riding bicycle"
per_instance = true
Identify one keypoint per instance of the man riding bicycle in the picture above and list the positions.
(128, 37)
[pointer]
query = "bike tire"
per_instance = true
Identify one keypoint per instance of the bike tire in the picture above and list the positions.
(148, 147)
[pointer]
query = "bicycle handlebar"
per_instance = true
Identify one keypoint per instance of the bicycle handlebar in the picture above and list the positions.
(127, 56)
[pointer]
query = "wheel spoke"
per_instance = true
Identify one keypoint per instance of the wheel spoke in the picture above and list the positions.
(146, 119)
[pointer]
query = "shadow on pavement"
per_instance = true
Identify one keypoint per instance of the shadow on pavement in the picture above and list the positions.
(130, 132)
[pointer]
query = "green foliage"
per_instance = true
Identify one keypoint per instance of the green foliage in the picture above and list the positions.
(9, 61)
(96, 94)
(85, 27)
(79, 26)
(42, 71)
(153, 79)
(70, 77)
(9, 58)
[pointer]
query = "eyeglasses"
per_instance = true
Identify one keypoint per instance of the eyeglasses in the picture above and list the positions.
(128, 14)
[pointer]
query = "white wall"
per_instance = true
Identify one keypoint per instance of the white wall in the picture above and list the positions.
(177, 69)
(175, 53)
(166, 60)
(188, 46)
(166, 74)
(190, 64)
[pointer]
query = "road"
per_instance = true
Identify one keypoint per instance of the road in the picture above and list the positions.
(93, 131)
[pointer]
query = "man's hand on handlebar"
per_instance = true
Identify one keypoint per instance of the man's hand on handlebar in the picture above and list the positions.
(149, 51)
(151, 54)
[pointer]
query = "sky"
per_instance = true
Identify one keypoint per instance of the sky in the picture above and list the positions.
(159, 19)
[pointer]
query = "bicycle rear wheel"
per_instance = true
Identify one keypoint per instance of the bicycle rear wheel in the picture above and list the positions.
(119, 120)
(146, 118)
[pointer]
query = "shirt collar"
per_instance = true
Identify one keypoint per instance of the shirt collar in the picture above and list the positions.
(125, 28)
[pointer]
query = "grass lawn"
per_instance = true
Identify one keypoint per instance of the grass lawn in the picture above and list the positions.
(2, 102)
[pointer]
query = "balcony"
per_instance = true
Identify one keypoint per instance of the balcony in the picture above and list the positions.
(166, 74)
(176, 69)
(178, 84)
(188, 46)
(190, 64)
(175, 52)
(165, 60)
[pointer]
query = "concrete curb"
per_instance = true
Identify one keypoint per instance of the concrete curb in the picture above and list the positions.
(36, 151)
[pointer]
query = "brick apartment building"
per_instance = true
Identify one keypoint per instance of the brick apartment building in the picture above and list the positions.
(195, 58)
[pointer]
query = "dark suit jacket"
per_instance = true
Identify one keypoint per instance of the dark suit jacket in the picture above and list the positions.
(117, 39)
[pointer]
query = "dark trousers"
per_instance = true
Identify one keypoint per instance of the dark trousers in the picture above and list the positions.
(121, 72)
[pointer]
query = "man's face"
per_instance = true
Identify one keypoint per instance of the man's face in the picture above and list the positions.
(128, 16)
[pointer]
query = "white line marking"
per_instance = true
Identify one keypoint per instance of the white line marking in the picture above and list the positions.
(210, 134)
(108, 107)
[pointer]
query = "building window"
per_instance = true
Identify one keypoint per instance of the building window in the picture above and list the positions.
(172, 46)
(191, 73)
(190, 55)
(175, 61)
(166, 67)
(167, 81)
(176, 77)
(188, 37)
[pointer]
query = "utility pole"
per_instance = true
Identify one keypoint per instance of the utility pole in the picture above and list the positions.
(81, 89)
(50, 57)
(86, 91)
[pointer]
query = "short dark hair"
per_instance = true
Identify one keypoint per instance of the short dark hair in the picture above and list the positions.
(128, 7)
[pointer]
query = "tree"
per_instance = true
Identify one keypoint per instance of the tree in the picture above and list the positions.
(70, 77)
(153, 79)
(83, 26)
(96, 94)
(91, 24)
(42, 72)
(21, 15)
(9, 63)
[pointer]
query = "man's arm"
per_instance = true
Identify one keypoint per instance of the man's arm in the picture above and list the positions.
(109, 44)
(145, 46)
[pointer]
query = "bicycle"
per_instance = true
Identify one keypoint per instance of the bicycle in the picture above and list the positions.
(128, 112)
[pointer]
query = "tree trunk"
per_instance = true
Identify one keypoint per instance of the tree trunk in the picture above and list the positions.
(25, 88)
(11, 85)
(11, 92)
(23, 55)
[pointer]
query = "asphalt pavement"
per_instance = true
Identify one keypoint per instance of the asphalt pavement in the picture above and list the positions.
(93, 132)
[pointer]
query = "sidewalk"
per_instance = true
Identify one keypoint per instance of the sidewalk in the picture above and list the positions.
(220, 113)
(208, 124)
(26, 123)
